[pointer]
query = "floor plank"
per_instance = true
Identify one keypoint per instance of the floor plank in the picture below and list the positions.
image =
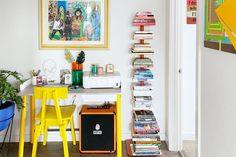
(55, 149)
(189, 148)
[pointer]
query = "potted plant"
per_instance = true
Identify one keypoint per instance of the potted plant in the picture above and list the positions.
(8, 96)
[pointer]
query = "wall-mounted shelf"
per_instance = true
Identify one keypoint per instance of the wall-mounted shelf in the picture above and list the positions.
(145, 138)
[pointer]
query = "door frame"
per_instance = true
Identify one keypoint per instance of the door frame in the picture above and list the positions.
(173, 75)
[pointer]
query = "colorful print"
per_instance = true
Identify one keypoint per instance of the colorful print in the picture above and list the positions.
(74, 20)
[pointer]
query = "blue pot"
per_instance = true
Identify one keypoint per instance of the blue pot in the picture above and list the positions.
(6, 114)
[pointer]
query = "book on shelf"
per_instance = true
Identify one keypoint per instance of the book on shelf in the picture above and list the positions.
(143, 103)
(141, 48)
(144, 20)
(146, 131)
(144, 153)
(143, 24)
(145, 146)
(143, 32)
(145, 72)
(142, 45)
(144, 13)
(143, 98)
(150, 118)
(156, 136)
(142, 66)
(144, 17)
(142, 37)
(142, 107)
(143, 77)
(156, 142)
(144, 122)
(146, 86)
(146, 139)
(142, 92)
(143, 51)
(144, 113)
(143, 117)
(146, 128)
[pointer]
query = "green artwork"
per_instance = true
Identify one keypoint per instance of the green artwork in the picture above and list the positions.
(215, 36)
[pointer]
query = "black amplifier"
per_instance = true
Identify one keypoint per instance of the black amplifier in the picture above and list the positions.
(97, 129)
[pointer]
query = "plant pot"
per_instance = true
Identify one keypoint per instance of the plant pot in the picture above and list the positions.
(6, 112)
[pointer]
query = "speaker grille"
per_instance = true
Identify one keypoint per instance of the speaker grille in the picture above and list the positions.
(97, 132)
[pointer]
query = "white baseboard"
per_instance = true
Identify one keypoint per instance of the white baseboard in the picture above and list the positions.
(55, 136)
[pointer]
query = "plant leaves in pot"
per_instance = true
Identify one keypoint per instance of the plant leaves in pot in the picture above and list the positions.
(8, 96)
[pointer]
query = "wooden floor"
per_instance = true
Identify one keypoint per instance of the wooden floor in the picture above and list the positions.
(189, 148)
(54, 149)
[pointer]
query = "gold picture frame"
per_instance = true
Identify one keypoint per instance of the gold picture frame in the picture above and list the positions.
(73, 24)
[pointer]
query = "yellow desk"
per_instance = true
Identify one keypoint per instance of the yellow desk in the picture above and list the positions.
(28, 93)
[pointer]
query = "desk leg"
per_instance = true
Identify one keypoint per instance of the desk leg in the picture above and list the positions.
(119, 128)
(32, 118)
(22, 127)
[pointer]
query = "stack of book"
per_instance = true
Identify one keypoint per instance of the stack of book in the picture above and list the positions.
(141, 35)
(142, 63)
(142, 102)
(143, 75)
(142, 96)
(142, 90)
(146, 140)
(145, 18)
(144, 48)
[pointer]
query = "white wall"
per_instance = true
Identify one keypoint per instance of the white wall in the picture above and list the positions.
(217, 105)
(188, 60)
(19, 48)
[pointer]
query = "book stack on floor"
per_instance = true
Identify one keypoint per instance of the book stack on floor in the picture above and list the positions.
(145, 138)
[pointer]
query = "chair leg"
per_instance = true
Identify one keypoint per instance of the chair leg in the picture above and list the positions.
(64, 140)
(35, 143)
(10, 136)
(72, 131)
(45, 135)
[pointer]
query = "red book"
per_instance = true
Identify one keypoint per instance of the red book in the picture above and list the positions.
(144, 24)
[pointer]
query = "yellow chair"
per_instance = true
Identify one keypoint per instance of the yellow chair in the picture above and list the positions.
(53, 115)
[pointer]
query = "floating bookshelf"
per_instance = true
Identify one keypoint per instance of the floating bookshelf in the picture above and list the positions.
(145, 134)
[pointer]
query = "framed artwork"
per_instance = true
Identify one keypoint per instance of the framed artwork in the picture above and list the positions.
(216, 35)
(73, 24)
(191, 11)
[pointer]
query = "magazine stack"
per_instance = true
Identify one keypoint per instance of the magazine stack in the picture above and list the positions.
(146, 141)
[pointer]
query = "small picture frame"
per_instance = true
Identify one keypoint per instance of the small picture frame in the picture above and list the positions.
(109, 68)
(65, 76)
